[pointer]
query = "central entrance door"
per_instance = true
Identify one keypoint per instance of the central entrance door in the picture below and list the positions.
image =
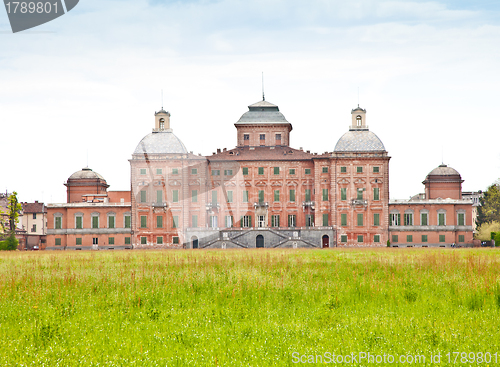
(259, 241)
(195, 241)
(326, 241)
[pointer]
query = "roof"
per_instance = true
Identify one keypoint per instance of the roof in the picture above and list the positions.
(34, 208)
(262, 112)
(262, 154)
(160, 142)
(85, 173)
(443, 170)
(359, 141)
(162, 111)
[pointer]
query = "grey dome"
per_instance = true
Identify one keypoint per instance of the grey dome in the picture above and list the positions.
(161, 142)
(85, 173)
(443, 170)
(262, 112)
(359, 141)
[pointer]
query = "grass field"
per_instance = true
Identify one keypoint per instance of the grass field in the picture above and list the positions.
(246, 308)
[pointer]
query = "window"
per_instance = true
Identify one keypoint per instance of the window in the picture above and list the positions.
(278, 138)
(245, 196)
(376, 219)
(359, 169)
(262, 136)
(441, 238)
(275, 220)
(276, 195)
(159, 196)
(359, 123)
(394, 238)
(408, 219)
(214, 221)
(175, 221)
(175, 240)
(325, 220)
(159, 221)
(461, 238)
(360, 219)
(409, 238)
(143, 171)
(175, 196)
(245, 171)
(33, 229)
(309, 220)
(246, 136)
(34, 215)
(376, 194)
(144, 221)
(376, 238)
(159, 171)
(308, 171)
(359, 193)
(292, 195)
(324, 170)
(162, 124)
(214, 197)
(194, 221)
(343, 169)
(95, 221)
(441, 219)
(143, 240)
(58, 222)
(261, 221)
(216, 172)
(229, 221)
(343, 219)
(325, 195)
(79, 222)
(461, 219)
(276, 170)
(194, 171)
(229, 196)
(395, 219)
(343, 193)
(291, 171)
(127, 240)
(360, 238)
(424, 221)
(261, 170)
(343, 238)
(194, 196)
(111, 240)
(143, 196)
(246, 221)
(159, 240)
(424, 238)
(375, 169)
(261, 196)
(228, 172)
(308, 194)
(111, 221)
(292, 220)
(127, 221)
(175, 171)
(78, 241)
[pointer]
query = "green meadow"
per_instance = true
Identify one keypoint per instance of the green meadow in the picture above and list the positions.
(248, 307)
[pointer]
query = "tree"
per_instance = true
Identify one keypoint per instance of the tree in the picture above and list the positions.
(13, 210)
(489, 206)
(485, 230)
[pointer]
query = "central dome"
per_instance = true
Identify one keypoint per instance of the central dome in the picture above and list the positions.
(262, 112)
(85, 173)
(161, 142)
(359, 141)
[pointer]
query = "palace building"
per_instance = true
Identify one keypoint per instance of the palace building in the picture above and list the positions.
(261, 193)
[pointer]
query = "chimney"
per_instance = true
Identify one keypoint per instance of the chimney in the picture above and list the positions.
(224, 149)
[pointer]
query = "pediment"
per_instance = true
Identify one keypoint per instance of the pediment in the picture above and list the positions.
(343, 181)
(261, 183)
(359, 181)
(230, 183)
(174, 182)
(276, 183)
(292, 183)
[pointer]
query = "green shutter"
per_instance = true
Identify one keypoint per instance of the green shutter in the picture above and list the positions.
(159, 221)
(245, 196)
(175, 221)
(375, 170)
(441, 219)
(360, 219)
(307, 171)
(111, 222)
(424, 221)
(376, 193)
(325, 194)
(95, 222)
(343, 219)
(78, 241)
(376, 219)
(343, 169)
(461, 219)
(325, 220)
(194, 196)
(214, 197)
(175, 196)
(127, 221)
(127, 240)
(461, 238)
(58, 223)
(143, 196)
(261, 170)
(276, 195)
(159, 240)
(245, 171)
(194, 221)
(250, 221)
(308, 194)
(360, 194)
(159, 196)
(424, 238)
(79, 223)
(261, 196)
(276, 170)
(111, 240)
(229, 196)
(144, 221)
(292, 195)
(343, 193)
(58, 242)
(399, 219)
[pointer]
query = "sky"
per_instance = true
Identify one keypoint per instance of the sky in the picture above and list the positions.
(82, 89)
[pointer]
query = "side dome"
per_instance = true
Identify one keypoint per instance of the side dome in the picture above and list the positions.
(161, 142)
(359, 141)
(443, 173)
(262, 112)
(85, 173)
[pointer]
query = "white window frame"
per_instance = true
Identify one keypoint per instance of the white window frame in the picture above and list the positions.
(261, 221)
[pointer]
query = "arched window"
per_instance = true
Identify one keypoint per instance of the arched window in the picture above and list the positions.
(358, 121)
(162, 123)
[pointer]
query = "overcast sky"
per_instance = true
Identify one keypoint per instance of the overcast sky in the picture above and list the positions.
(88, 83)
